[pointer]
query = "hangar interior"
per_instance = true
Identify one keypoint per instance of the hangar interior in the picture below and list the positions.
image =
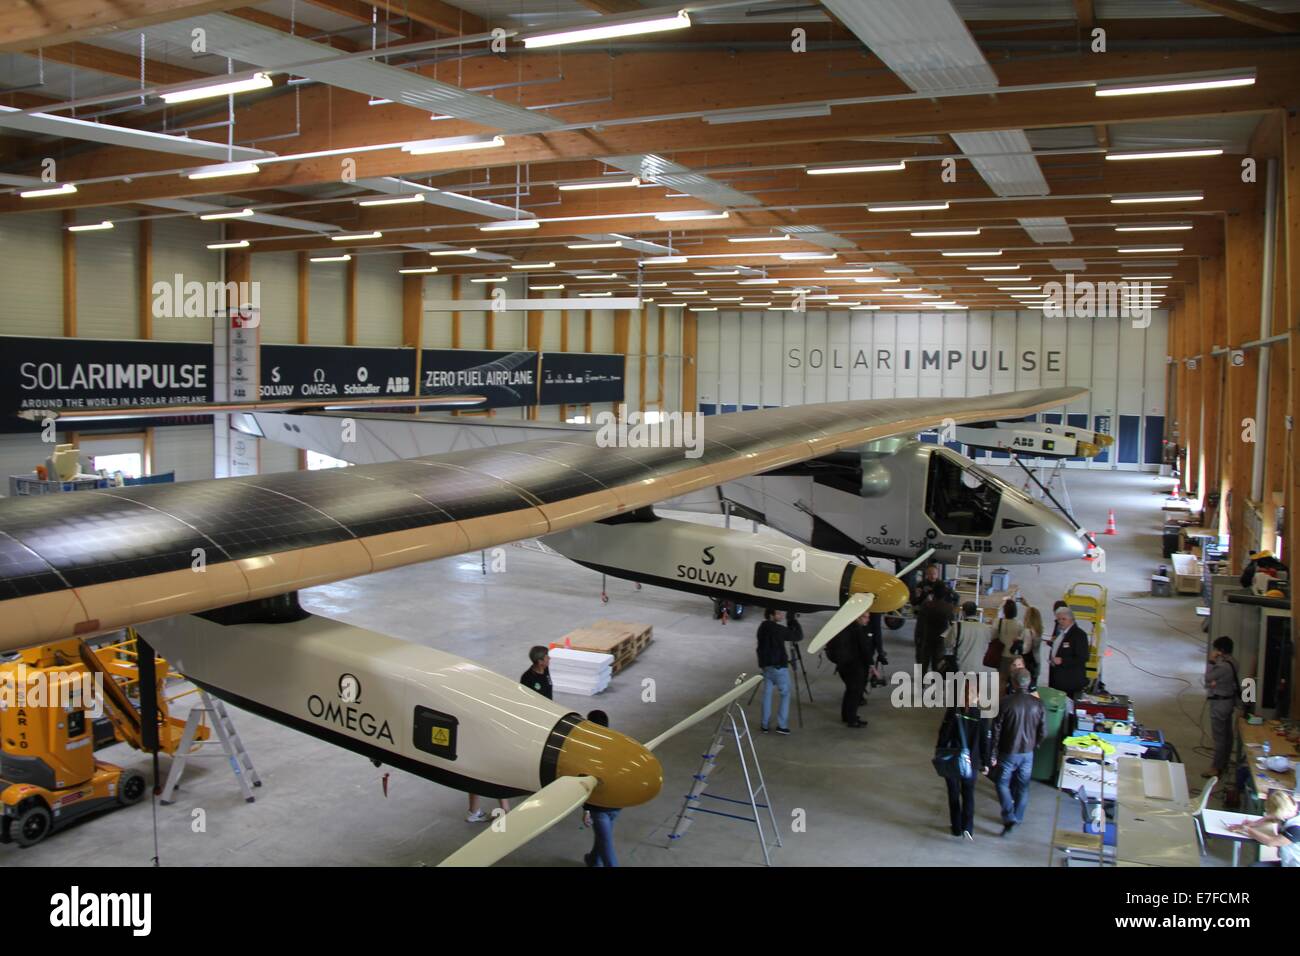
(1008, 287)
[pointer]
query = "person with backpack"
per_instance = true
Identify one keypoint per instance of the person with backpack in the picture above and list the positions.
(963, 752)
(851, 652)
(1223, 688)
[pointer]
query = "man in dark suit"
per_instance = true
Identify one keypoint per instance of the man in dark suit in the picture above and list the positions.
(1069, 670)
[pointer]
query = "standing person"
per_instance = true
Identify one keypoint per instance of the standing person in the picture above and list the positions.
(877, 660)
(775, 664)
(1008, 630)
(932, 620)
(1223, 688)
(1069, 670)
(851, 652)
(538, 675)
(1031, 642)
(967, 640)
(932, 585)
(1018, 729)
(476, 815)
(963, 727)
(600, 819)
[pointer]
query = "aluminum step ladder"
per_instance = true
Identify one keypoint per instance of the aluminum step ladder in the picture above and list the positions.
(231, 745)
(732, 726)
(969, 568)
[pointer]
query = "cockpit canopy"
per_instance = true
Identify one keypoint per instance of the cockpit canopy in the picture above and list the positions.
(959, 498)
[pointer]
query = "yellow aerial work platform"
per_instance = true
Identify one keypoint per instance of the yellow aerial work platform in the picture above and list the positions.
(1088, 602)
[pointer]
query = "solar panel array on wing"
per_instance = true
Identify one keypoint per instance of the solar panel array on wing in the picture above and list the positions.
(547, 481)
(22, 572)
(461, 493)
(357, 499)
(241, 519)
(611, 466)
(91, 537)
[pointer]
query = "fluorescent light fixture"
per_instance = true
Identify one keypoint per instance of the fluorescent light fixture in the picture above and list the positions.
(907, 206)
(754, 305)
(704, 308)
(1007, 278)
(452, 144)
(258, 81)
(1166, 154)
(879, 280)
(805, 256)
(509, 224)
(885, 167)
(609, 27)
(595, 295)
(1157, 227)
(758, 281)
(904, 288)
(690, 292)
(392, 200)
(597, 275)
(92, 226)
(1174, 85)
(524, 266)
(61, 190)
(425, 270)
(595, 245)
(824, 295)
(972, 252)
(490, 279)
(1143, 278)
(665, 261)
(377, 101)
(1177, 196)
(784, 237)
(240, 244)
(1018, 288)
(453, 252)
(992, 268)
(649, 285)
(727, 298)
(1142, 249)
(225, 169)
(233, 214)
(545, 288)
(863, 308)
(691, 215)
(611, 182)
(720, 272)
(349, 237)
(672, 305)
(797, 111)
(342, 258)
(849, 270)
(921, 295)
(941, 233)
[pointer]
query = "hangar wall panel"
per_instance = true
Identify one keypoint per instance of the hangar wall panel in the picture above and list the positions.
(185, 449)
(326, 321)
(31, 273)
(277, 276)
(108, 280)
(748, 359)
(379, 301)
(180, 249)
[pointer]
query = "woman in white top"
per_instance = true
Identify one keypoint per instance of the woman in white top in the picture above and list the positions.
(1007, 630)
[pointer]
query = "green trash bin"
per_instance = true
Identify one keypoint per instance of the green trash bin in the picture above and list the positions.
(1045, 757)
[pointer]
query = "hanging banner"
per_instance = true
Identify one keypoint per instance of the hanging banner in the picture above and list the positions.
(68, 374)
(582, 378)
(505, 379)
(335, 371)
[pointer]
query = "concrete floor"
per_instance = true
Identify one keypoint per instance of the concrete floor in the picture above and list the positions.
(869, 797)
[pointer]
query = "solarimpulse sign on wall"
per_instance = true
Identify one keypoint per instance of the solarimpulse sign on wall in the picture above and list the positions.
(320, 372)
(70, 374)
(505, 379)
(579, 378)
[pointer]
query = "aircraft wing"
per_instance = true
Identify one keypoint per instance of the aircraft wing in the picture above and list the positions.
(92, 561)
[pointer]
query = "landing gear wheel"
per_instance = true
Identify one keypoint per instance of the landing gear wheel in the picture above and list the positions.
(31, 826)
(130, 788)
(604, 599)
(893, 622)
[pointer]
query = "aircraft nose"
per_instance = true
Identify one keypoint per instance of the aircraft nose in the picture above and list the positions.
(1065, 544)
(890, 593)
(628, 773)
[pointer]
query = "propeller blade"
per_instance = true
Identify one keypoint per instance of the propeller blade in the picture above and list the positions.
(742, 686)
(921, 559)
(853, 608)
(545, 808)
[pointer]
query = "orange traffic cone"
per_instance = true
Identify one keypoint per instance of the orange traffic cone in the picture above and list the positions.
(1090, 551)
(1110, 523)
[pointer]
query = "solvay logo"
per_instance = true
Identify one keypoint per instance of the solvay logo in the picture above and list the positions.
(708, 556)
(76, 909)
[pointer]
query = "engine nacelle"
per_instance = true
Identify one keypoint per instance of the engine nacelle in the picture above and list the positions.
(721, 562)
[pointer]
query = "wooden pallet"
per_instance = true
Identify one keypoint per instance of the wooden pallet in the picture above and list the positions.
(621, 639)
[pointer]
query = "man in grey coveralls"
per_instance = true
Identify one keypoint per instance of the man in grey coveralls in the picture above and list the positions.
(1222, 687)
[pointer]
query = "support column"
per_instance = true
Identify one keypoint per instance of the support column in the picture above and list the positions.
(304, 295)
(413, 316)
(1213, 334)
(622, 324)
(350, 302)
(1190, 433)
(1289, 228)
(1243, 251)
(69, 275)
(144, 278)
(690, 349)
(533, 325)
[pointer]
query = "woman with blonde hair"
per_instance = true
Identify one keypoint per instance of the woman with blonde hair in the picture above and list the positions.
(1031, 639)
(1279, 827)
